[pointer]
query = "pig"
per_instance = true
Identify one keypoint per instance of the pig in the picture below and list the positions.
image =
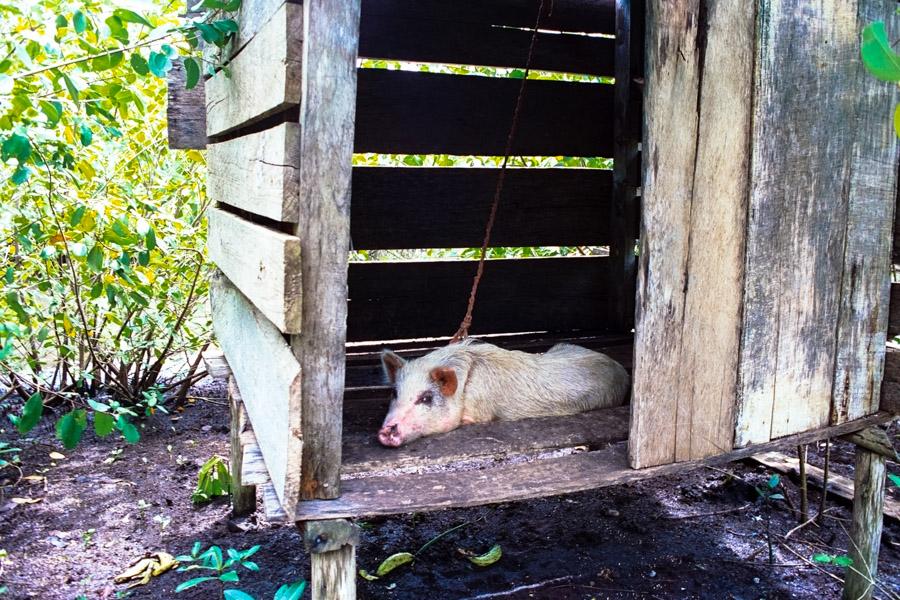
(476, 382)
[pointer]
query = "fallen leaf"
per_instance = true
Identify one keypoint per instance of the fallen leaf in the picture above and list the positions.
(57, 456)
(26, 500)
(34, 478)
(393, 561)
(486, 559)
(150, 565)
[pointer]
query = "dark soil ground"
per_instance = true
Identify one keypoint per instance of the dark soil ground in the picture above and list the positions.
(699, 535)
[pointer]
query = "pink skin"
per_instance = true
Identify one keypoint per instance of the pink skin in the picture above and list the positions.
(413, 424)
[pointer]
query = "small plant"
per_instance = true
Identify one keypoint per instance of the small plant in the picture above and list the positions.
(840, 560)
(11, 453)
(768, 494)
(213, 480)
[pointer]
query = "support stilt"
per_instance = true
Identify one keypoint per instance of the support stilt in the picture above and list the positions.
(868, 505)
(243, 497)
(332, 547)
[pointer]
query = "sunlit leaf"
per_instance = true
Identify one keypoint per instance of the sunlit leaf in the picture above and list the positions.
(79, 22)
(139, 63)
(192, 73)
(129, 16)
(877, 54)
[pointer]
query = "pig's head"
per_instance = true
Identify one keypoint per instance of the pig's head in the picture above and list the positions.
(427, 398)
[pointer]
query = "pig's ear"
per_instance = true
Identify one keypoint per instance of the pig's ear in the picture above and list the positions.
(391, 363)
(445, 377)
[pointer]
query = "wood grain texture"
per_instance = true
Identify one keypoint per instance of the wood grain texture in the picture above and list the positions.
(430, 113)
(865, 531)
(327, 113)
(243, 496)
(894, 311)
(447, 207)
(264, 264)
(258, 172)
(265, 75)
(253, 467)
(270, 388)
(890, 385)
(865, 283)
(594, 429)
(390, 301)
(216, 365)
(272, 505)
(399, 35)
(548, 477)
(808, 223)
(694, 205)
(333, 574)
(185, 112)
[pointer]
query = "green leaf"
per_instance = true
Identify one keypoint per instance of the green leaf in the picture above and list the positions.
(139, 63)
(104, 423)
(52, 110)
(95, 258)
(192, 582)
(293, 591)
(877, 54)
(226, 26)
(20, 175)
(15, 146)
(168, 50)
(31, 413)
(393, 561)
(107, 61)
(843, 561)
(210, 34)
(96, 290)
(77, 215)
(10, 275)
(61, 21)
(160, 64)
(773, 481)
(488, 558)
(79, 22)
(822, 558)
(192, 73)
(85, 134)
(895, 479)
(70, 427)
(71, 87)
(229, 577)
(129, 16)
(129, 431)
(237, 595)
(150, 239)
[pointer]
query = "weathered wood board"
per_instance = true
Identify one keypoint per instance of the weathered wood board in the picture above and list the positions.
(258, 172)
(694, 205)
(437, 207)
(185, 112)
(264, 76)
(327, 113)
(818, 235)
(264, 264)
(266, 373)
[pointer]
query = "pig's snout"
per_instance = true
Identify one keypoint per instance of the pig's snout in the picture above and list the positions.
(389, 435)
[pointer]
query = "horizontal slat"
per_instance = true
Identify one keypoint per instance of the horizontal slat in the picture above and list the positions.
(258, 172)
(420, 299)
(267, 375)
(594, 16)
(401, 36)
(363, 454)
(894, 312)
(429, 113)
(398, 493)
(448, 207)
(265, 75)
(262, 263)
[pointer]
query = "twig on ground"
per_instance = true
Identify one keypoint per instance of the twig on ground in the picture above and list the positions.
(711, 514)
(522, 588)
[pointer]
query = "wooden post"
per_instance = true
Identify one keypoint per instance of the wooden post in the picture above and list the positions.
(332, 547)
(865, 535)
(243, 497)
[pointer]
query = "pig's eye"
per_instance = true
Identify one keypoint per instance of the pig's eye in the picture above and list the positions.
(425, 399)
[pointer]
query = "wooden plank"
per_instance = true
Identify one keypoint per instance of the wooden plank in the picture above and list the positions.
(251, 18)
(591, 16)
(838, 485)
(262, 263)
(806, 221)
(540, 207)
(265, 76)
(243, 496)
(216, 365)
(266, 372)
(185, 112)
(420, 299)
(258, 172)
(865, 531)
(894, 313)
(865, 284)
(333, 574)
(275, 513)
(694, 202)
(393, 494)
(430, 113)
(594, 429)
(253, 467)
(399, 35)
(327, 113)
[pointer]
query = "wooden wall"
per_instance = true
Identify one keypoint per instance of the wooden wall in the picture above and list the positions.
(766, 235)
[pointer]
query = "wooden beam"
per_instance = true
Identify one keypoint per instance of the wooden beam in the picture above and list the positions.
(404, 493)
(327, 112)
(420, 299)
(243, 497)
(874, 440)
(216, 365)
(431, 113)
(264, 264)
(257, 172)
(272, 505)
(540, 207)
(264, 77)
(267, 374)
(333, 574)
(865, 531)
(694, 200)
(185, 112)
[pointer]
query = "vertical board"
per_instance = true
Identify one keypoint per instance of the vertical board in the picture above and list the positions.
(818, 224)
(697, 107)
(327, 112)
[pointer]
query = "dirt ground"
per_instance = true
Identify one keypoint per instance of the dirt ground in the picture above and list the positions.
(699, 535)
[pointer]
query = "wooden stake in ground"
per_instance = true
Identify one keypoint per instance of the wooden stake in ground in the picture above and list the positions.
(243, 497)
(804, 497)
(865, 535)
